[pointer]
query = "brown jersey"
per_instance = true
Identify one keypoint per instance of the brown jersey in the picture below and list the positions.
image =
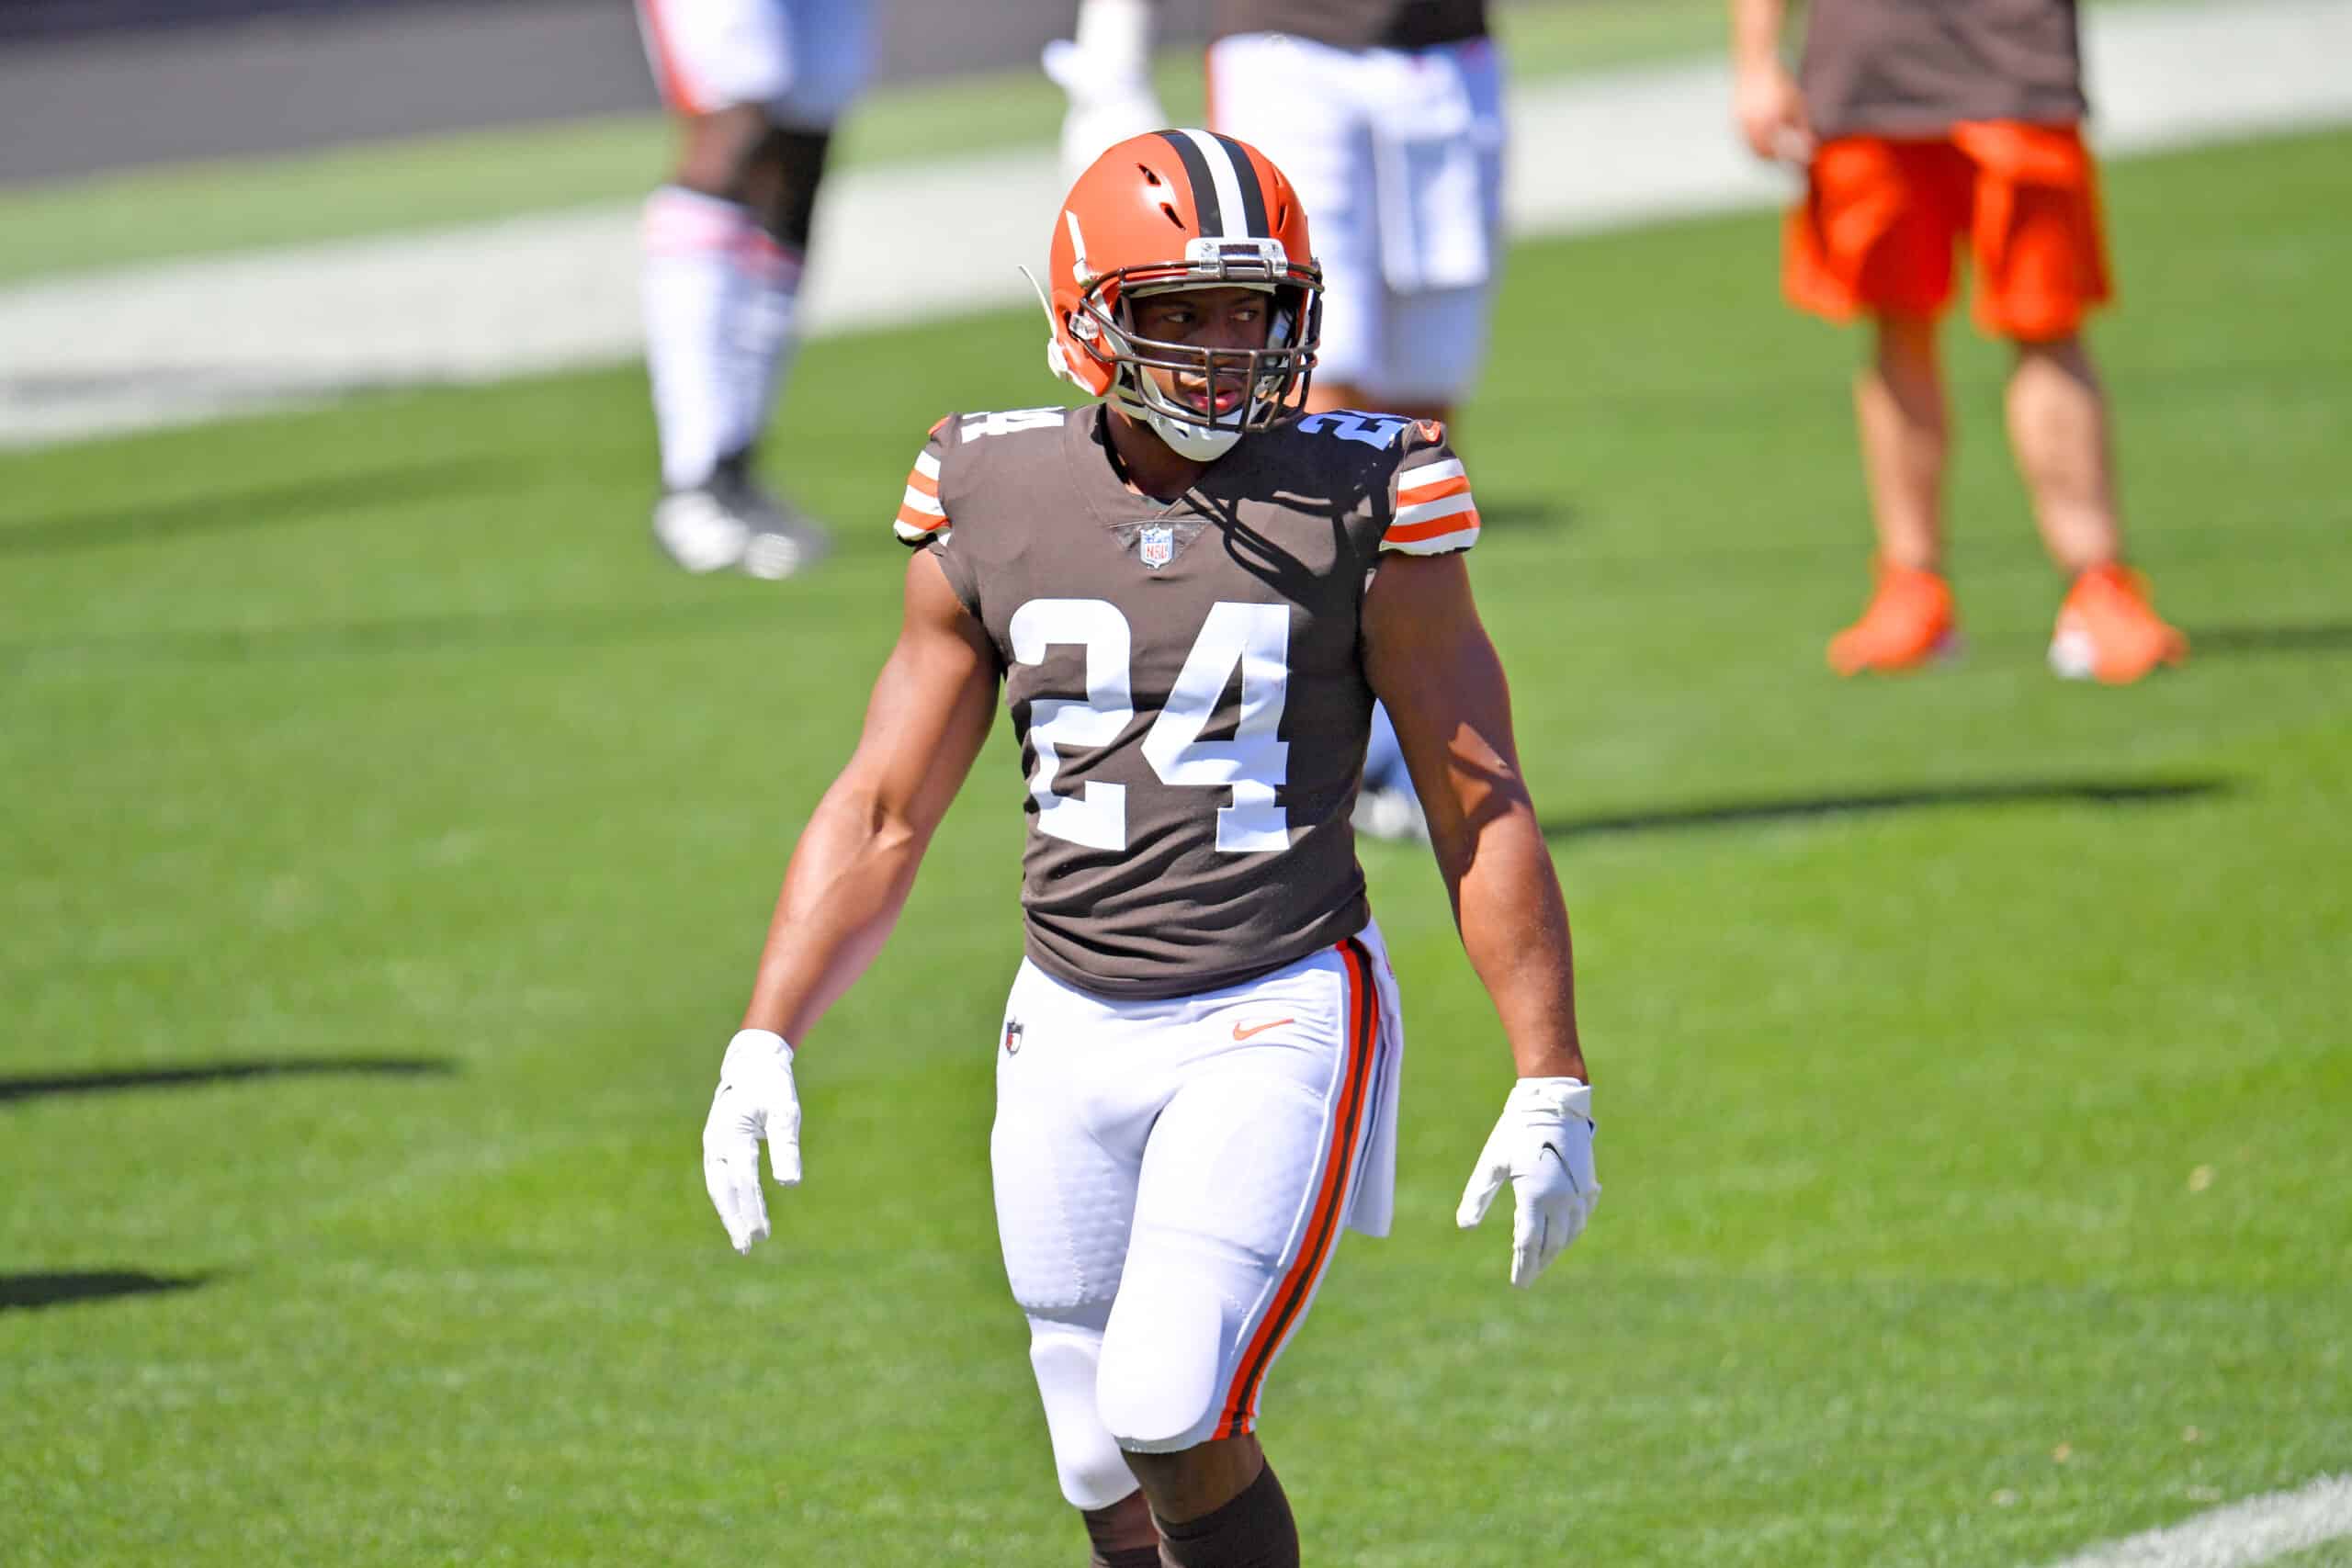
(1356, 24)
(1185, 678)
(1916, 68)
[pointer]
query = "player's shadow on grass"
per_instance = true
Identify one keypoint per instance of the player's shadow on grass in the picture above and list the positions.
(1803, 809)
(2324, 636)
(200, 1074)
(300, 502)
(29, 1290)
(1518, 512)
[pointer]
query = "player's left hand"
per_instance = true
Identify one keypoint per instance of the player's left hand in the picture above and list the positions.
(756, 1100)
(1543, 1146)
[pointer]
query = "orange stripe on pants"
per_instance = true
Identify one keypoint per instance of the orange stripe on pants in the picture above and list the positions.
(674, 85)
(1323, 1223)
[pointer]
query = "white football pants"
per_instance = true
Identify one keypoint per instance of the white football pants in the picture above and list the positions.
(1171, 1178)
(802, 61)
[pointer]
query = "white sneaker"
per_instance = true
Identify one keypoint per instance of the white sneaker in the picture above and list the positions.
(783, 540)
(1394, 814)
(698, 531)
(783, 546)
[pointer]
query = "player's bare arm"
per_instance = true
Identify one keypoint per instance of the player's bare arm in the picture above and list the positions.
(1766, 101)
(1430, 659)
(848, 879)
(855, 863)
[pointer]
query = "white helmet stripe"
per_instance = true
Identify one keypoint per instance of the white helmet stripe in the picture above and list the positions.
(1232, 221)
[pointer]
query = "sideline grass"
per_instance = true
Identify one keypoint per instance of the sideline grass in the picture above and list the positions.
(1972, 1049)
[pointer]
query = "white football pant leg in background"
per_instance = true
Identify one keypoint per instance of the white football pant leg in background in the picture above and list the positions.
(1184, 1167)
(1438, 170)
(802, 61)
(1398, 158)
(829, 54)
(1298, 102)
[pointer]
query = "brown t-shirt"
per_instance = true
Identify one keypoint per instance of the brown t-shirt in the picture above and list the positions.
(1356, 24)
(1185, 678)
(1918, 67)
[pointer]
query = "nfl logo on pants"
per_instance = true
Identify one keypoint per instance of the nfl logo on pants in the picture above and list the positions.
(1157, 545)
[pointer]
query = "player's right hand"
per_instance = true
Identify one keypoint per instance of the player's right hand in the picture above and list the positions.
(756, 1100)
(1769, 108)
(1106, 70)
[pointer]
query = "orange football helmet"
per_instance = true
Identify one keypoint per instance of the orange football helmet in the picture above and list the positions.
(1174, 209)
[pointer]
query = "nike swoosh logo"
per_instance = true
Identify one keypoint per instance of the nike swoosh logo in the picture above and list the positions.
(1564, 1167)
(1241, 1033)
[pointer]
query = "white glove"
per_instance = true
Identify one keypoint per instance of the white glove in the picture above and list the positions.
(755, 1099)
(1543, 1146)
(1106, 70)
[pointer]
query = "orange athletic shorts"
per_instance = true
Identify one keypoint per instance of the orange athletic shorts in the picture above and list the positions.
(1881, 217)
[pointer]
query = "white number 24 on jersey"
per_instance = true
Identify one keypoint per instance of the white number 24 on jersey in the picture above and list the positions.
(1252, 764)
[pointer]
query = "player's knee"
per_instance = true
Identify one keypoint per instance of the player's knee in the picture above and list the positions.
(1157, 1387)
(1086, 1461)
(723, 150)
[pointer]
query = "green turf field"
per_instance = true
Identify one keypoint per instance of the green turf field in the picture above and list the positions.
(389, 834)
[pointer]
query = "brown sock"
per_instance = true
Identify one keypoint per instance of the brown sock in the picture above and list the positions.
(1254, 1531)
(1123, 1534)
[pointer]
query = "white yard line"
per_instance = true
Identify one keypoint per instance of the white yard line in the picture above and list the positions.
(2258, 1529)
(187, 341)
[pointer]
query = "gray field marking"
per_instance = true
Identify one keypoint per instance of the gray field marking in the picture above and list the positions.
(179, 342)
(2257, 1529)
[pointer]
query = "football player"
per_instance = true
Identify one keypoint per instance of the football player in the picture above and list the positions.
(1388, 115)
(1921, 128)
(756, 86)
(1190, 596)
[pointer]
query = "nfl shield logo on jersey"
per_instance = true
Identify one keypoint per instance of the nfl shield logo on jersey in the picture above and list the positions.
(1155, 544)
(1012, 1038)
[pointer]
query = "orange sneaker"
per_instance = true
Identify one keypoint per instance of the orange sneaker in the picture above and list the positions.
(2107, 632)
(1910, 621)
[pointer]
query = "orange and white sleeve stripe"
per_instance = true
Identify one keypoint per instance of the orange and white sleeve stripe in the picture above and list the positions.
(920, 516)
(1434, 511)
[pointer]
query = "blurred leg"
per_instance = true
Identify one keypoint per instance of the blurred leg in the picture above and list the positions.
(698, 291)
(1900, 407)
(2058, 428)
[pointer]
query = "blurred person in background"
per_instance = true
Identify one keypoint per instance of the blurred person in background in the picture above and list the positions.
(757, 86)
(1388, 116)
(1921, 126)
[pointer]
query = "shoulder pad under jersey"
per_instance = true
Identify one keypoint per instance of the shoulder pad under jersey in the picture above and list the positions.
(1431, 510)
